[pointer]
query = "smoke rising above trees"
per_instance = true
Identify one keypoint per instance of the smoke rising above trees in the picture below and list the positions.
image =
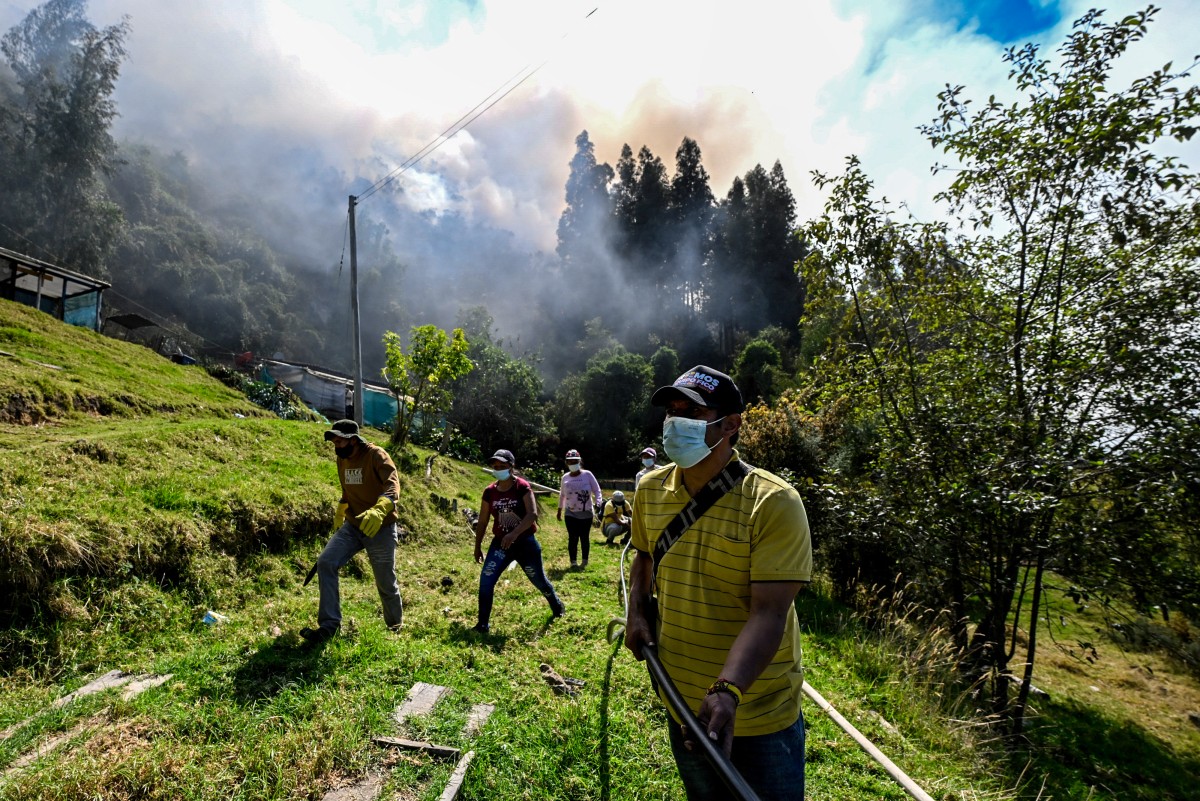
(635, 260)
(651, 272)
(665, 263)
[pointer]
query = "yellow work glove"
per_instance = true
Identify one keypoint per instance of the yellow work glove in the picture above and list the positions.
(339, 515)
(370, 521)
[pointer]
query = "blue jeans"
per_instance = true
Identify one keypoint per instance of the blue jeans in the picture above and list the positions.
(381, 552)
(772, 764)
(527, 552)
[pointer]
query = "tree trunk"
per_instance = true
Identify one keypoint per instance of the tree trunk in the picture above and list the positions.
(958, 600)
(1018, 712)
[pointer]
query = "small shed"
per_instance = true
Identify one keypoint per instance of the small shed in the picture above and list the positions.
(68, 296)
(332, 394)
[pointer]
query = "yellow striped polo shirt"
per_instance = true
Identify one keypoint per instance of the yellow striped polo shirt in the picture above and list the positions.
(758, 531)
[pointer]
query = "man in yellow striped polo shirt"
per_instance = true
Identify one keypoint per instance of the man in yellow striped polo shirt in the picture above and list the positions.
(727, 631)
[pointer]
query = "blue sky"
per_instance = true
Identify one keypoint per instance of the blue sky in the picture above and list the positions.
(1005, 21)
(387, 26)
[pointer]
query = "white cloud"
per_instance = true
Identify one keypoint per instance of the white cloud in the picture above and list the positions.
(362, 85)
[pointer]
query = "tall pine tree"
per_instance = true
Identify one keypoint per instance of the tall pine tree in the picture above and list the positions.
(584, 226)
(691, 219)
(651, 240)
(780, 248)
(752, 276)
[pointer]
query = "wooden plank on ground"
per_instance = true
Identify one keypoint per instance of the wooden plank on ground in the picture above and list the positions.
(436, 751)
(114, 678)
(456, 778)
(477, 718)
(421, 699)
(145, 682)
(51, 744)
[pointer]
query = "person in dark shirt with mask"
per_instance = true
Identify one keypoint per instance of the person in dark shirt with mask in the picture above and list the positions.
(510, 506)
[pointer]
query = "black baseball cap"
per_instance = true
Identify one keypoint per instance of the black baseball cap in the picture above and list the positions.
(705, 387)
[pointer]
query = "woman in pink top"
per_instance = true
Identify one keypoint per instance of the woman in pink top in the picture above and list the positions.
(579, 495)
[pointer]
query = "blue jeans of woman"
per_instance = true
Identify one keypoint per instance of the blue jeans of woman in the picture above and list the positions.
(527, 552)
(772, 764)
(579, 530)
(381, 552)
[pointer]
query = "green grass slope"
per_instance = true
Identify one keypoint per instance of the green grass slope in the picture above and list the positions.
(50, 372)
(118, 467)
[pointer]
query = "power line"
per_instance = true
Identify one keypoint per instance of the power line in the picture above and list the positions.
(449, 133)
(462, 122)
(345, 235)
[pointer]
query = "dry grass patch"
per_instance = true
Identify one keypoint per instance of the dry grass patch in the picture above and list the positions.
(1144, 689)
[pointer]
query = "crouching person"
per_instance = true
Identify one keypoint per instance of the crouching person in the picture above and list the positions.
(616, 519)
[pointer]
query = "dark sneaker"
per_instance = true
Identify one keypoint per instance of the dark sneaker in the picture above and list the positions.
(481, 628)
(316, 636)
(558, 611)
(584, 564)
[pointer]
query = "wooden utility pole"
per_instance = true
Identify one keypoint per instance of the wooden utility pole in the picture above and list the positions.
(358, 382)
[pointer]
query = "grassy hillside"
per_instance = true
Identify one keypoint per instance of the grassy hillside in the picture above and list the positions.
(138, 494)
(53, 372)
(116, 468)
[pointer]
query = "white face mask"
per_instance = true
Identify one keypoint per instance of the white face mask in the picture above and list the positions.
(647, 463)
(683, 440)
(574, 467)
(501, 474)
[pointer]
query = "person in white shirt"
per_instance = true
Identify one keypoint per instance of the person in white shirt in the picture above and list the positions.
(648, 456)
(579, 494)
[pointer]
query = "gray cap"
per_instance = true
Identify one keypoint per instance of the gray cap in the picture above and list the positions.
(347, 429)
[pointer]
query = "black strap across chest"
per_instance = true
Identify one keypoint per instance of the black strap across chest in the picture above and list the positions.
(700, 503)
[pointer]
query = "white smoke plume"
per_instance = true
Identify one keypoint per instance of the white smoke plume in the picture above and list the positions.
(286, 107)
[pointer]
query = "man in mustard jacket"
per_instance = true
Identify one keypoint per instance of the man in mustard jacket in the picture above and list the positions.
(365, 519)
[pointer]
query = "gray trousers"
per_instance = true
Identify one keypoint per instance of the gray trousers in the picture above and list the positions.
(381, 552)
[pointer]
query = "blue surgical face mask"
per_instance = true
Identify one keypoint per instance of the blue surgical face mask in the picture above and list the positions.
(683, 440)
(574, 467)
(647, 463)
(501, 474)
